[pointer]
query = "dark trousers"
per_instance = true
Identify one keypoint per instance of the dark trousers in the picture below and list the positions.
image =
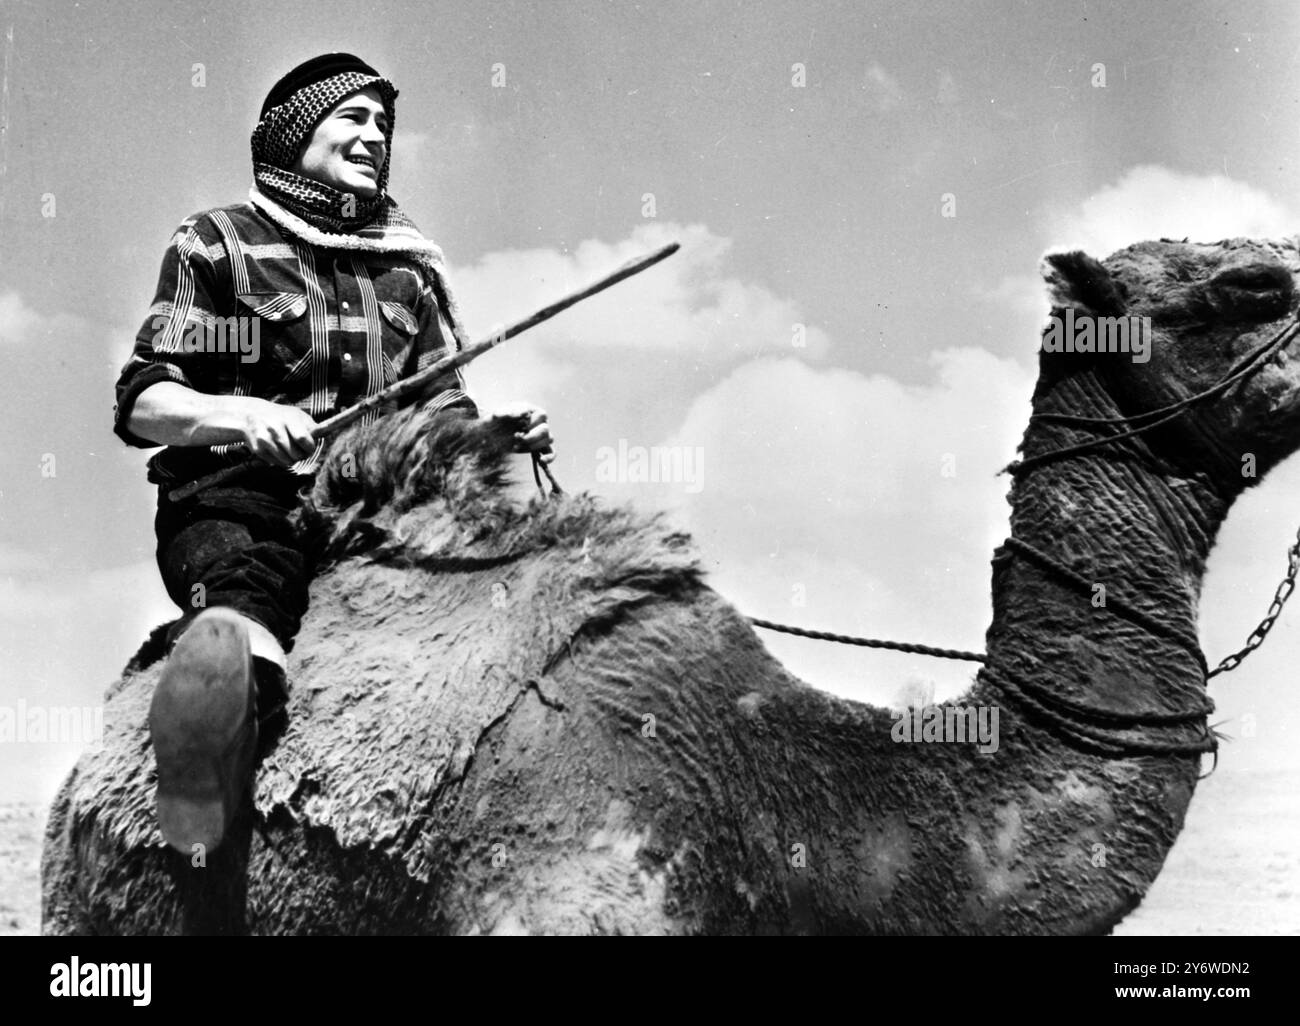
(235, 547)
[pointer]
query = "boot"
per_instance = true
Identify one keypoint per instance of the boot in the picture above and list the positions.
(204, 730)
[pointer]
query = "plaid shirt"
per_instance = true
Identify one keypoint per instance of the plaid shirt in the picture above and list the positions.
(243, 308)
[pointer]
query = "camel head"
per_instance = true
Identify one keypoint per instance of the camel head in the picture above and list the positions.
(1194, 313)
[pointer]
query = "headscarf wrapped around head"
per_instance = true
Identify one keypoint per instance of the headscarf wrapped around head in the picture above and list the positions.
(294, 107)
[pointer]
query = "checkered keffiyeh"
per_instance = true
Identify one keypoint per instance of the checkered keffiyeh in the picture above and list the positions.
(278, 139)
(313, 211)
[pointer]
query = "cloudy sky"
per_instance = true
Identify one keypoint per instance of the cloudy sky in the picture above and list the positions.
(824, 339)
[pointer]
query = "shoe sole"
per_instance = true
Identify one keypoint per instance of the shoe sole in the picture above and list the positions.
(204, 730)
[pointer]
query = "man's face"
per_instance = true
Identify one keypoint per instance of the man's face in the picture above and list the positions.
(349, 147)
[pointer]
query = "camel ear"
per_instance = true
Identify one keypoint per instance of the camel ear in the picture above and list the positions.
(1078, 280)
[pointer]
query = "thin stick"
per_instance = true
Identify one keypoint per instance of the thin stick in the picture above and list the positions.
(401, 389)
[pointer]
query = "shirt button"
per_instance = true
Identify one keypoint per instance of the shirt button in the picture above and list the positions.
(347, 356)
(345, 305)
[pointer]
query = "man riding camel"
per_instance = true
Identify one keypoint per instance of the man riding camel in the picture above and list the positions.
(340, 295)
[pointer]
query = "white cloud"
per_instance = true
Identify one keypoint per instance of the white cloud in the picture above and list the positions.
(21, 324)
(1153, 202)
(17, 560)
(687, 305)
(1021, 306)
(1147, 202)
(877, 503)
(82, 608)
(1022, 294)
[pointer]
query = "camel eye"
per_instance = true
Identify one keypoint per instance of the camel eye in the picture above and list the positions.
(1254, 279)
(1259, 293)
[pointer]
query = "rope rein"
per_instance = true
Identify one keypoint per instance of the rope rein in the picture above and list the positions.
(1084, 724)
(538, 462)
(848, 639)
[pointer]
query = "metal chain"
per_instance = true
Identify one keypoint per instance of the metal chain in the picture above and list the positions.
(1258, 635)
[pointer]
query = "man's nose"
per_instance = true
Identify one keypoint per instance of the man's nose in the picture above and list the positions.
(372, 133)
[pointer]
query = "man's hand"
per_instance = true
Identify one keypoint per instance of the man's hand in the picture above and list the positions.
(281, 435)
(532, 432)
(168, 413)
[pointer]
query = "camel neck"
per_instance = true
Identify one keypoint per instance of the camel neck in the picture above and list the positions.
(1136, 533)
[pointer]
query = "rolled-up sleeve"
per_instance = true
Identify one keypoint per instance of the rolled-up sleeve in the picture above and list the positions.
(184, 301)
(433, 343)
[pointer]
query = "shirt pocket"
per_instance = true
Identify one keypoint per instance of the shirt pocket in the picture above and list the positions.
(285, 337)
(401, 327)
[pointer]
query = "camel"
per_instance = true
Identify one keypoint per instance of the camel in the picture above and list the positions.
(517, 716)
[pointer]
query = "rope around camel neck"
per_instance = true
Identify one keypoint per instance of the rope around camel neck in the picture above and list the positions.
(1070, 718)
(1041, 699)
(1084, 725)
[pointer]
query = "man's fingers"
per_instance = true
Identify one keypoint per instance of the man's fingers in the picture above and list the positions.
(284, 454)
(279, 435)
(259, 450)
(300, 428)
(304, 444)
(532, 432)
(525, 415)
(293, 439)
(270, 453)
(536, 440)
(283, 447)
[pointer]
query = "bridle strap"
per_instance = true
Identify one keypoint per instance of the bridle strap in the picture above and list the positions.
(1249, 365)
